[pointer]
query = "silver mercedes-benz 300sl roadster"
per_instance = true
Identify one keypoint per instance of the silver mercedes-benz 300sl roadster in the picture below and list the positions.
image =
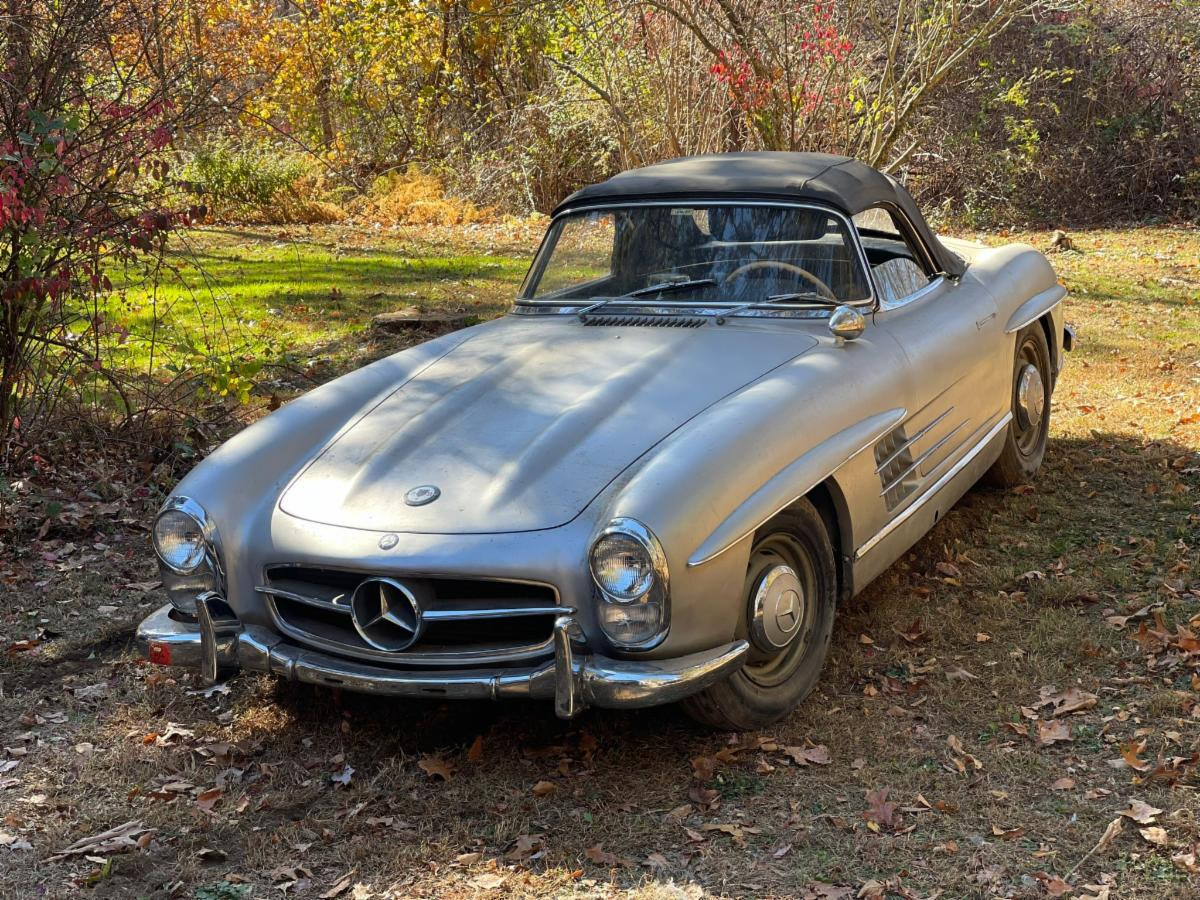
(732, 390)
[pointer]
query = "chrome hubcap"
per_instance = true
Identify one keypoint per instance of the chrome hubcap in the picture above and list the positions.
(777, 608)
(1031, 396)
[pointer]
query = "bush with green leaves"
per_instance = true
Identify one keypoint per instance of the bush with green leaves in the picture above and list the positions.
(230, 176)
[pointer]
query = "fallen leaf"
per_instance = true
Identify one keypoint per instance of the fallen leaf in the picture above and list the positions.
(960, 673)
(211, 855)
(436, 767)
(1155, 835)
(1063, 784)
(600, 856)
(120, 839)
(475, 753)
(879, 809)
(1007, 834)
(488, 881)
(678, 814)
(802, 756)
(1053, 885)
(468, 859)
(704, 768)
(525, 846)
(1140, 812)
(206, 800)
(912, 633)
(172, 735)
(340, 886)
(1052, 732)
(542, 788)
(1131, 756)
(343, 777)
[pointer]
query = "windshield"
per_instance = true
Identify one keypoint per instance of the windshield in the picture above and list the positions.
(711, 254)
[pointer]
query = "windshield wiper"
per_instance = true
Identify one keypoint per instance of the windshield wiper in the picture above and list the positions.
(778, 298)
(663, 287)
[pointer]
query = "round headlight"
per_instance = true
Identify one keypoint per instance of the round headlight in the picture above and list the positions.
(630, 569)
(179, 540)
(622, 566)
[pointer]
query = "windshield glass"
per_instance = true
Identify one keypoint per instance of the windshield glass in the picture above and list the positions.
(697, 255)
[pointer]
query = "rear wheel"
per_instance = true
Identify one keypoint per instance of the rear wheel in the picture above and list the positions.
(790, 595)
(1025, 440)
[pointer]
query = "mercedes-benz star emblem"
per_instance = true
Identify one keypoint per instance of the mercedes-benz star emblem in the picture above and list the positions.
(386, 614)
(422, 494)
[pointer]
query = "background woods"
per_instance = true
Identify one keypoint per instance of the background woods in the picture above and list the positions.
(123, 119)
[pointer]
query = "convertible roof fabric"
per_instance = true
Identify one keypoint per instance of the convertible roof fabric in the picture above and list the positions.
(838, 181)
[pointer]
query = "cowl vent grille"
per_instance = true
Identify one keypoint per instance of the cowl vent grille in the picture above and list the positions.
(645, 321)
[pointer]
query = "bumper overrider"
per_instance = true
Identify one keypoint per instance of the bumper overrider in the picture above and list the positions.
(219, 645)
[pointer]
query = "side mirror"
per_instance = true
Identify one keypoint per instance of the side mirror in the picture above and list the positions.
(846, 323)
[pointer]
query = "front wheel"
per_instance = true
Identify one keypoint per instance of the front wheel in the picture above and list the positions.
(1025, 440)
(790, 597)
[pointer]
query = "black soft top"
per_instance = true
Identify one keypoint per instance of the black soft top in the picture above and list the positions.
(838, 181)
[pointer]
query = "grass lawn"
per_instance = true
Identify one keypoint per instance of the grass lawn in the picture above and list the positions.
(278, 293)
(1014, 684)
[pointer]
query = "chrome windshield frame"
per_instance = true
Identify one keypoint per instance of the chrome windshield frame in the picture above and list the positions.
(635, 305)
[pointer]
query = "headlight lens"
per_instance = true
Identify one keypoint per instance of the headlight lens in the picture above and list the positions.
(622, 566)
(188, 549)
(179, 540)
(630, 569)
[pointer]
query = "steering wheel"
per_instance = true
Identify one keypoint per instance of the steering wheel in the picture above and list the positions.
(822, 287)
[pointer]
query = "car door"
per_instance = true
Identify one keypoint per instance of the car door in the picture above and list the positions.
(946, 328)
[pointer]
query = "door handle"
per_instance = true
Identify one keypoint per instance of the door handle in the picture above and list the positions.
(979, 323)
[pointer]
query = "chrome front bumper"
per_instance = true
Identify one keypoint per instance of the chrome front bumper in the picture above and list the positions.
(220, 645)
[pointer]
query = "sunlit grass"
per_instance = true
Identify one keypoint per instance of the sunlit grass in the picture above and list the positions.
(269, 292)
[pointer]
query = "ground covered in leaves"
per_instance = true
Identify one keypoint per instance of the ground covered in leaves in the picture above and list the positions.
(1013, 710)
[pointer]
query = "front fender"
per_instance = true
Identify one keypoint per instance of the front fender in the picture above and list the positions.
(706, 488)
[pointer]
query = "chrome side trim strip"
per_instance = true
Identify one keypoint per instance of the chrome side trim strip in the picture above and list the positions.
(912, 508)
(912, 466)
(1035, 307)
(912, 440)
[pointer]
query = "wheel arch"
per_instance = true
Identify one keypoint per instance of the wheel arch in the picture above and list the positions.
(1047, 323)
(830, 502)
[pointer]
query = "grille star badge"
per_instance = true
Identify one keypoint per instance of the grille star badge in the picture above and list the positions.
(386, 614)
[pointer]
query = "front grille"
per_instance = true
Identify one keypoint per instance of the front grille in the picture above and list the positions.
(467, 620)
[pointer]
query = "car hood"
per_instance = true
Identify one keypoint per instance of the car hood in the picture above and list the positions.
(521, 425)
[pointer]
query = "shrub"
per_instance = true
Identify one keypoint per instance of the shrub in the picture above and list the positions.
(259, 183)
(417, 198)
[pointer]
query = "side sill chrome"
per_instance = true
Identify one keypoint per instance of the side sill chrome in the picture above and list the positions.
(913, 507)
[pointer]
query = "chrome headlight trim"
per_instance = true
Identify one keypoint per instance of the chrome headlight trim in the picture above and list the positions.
(659, 590)
(183, 586)
(194, 511)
